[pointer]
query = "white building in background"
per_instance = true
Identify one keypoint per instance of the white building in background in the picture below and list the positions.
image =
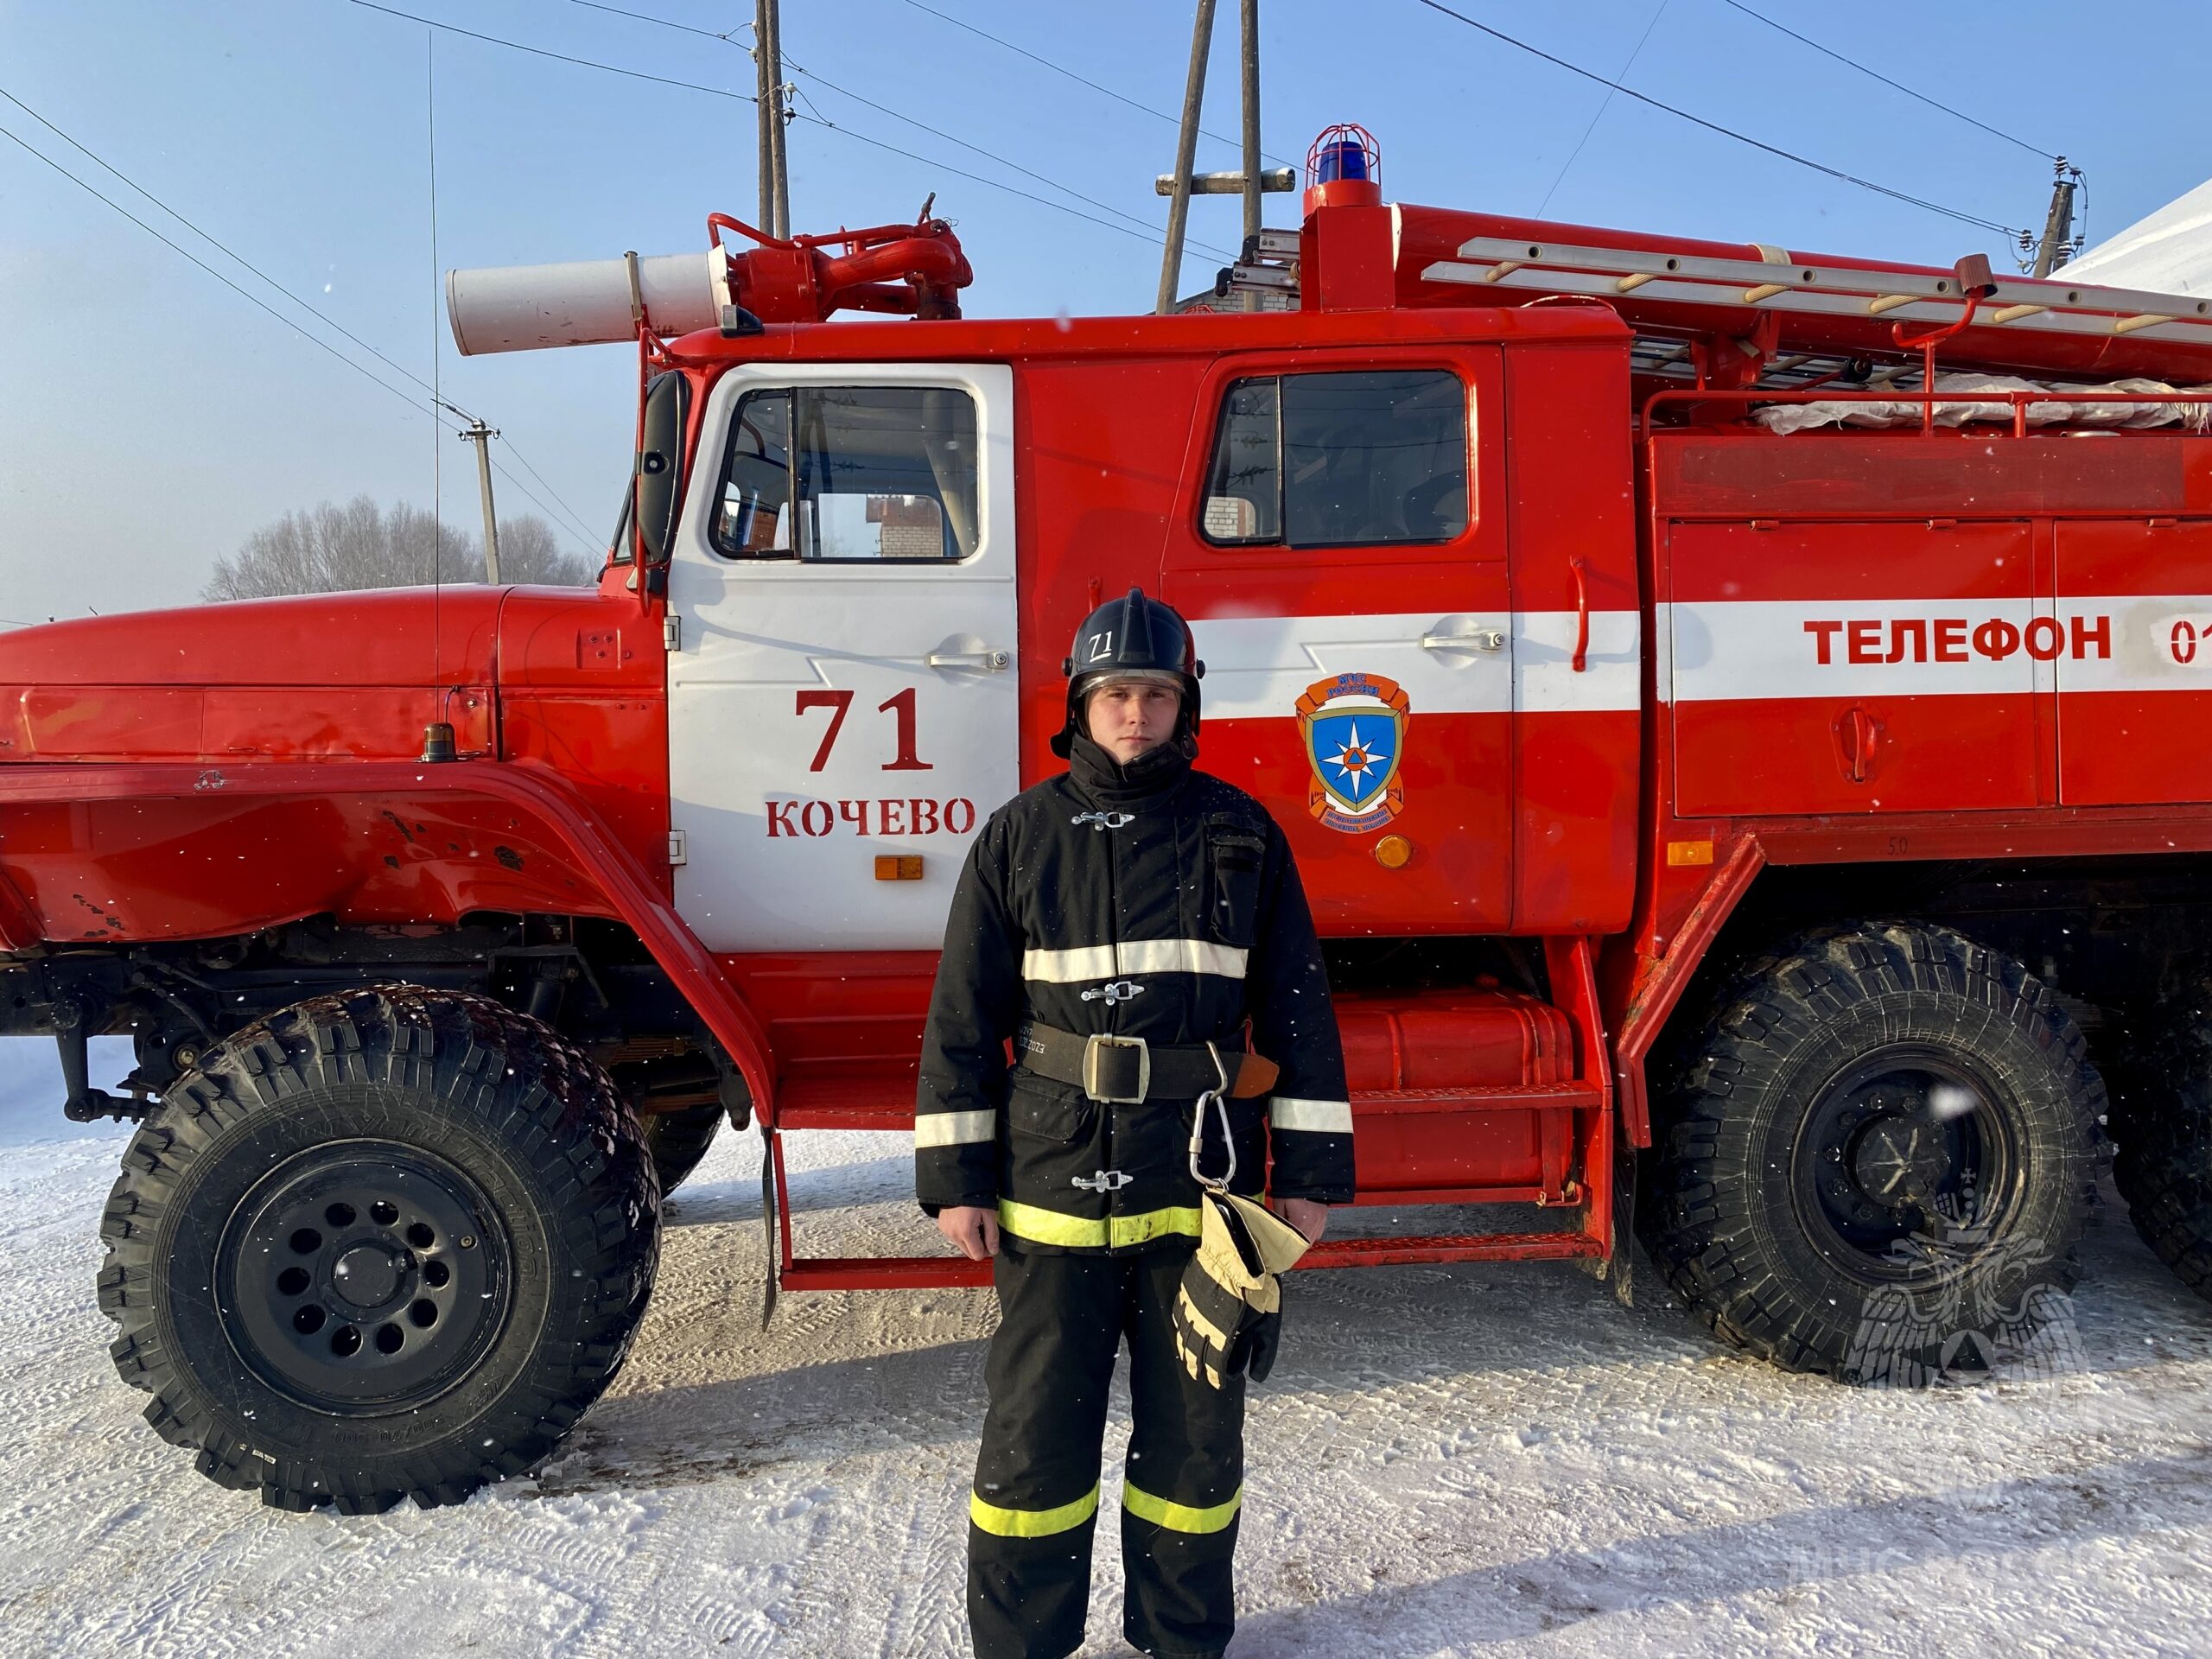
(2169, 252)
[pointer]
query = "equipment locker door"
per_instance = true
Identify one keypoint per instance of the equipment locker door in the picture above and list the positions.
(842, 706)
(1869, 667)
(2135, 682)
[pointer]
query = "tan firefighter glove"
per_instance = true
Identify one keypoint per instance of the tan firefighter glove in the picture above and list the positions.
(1227, 1315)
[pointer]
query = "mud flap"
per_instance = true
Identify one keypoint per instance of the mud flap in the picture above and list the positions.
(770, 1283)
(1621, 1269)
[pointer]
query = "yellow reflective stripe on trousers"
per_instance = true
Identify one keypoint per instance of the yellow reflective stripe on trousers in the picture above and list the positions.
(1041, 1226)
(1179, 1517)
(1031, 1524)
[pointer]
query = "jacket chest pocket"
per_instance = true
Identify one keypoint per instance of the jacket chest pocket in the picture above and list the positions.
(1235, 855)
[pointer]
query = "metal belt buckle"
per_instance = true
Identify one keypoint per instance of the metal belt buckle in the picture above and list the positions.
(1091, 1086)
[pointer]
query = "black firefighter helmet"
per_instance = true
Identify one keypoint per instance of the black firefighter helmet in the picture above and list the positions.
(1131, 638)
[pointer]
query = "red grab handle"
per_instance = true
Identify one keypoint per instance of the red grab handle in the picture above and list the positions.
(1859, 733)
(1582, 615)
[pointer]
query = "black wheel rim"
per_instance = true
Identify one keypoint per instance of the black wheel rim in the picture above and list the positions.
(363, 1277)
(1906, 1157)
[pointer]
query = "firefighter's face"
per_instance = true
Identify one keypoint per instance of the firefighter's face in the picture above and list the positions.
(1128, 717)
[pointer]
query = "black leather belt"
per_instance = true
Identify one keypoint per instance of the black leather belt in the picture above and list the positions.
(1124, 1071)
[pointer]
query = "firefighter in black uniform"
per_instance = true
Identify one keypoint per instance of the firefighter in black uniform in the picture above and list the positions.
(1137, 930)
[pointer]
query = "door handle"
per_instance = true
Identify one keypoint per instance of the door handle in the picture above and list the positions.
(1480, 640)
(991, 661)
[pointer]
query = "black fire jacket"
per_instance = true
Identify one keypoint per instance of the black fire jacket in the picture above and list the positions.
(1151, 901)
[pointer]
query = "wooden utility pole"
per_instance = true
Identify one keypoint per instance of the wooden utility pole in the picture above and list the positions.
(768, 94)
(1186, 150)
(482, 435)
(1249, 32)
(2050, 252)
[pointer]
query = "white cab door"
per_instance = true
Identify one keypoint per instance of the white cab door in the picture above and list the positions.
(842, 700)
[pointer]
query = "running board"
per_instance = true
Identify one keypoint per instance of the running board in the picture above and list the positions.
(1451, 1247)
(950, 1273)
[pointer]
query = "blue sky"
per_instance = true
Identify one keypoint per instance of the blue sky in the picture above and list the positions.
(150, 417)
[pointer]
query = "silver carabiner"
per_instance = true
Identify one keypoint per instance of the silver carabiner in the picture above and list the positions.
(1217, 1097)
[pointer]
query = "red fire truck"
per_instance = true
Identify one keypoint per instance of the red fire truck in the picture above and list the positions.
(1735, 711)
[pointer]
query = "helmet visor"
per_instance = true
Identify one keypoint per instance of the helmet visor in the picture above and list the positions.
(1087, 684)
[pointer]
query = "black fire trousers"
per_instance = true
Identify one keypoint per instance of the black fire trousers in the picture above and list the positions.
(1061, 1319)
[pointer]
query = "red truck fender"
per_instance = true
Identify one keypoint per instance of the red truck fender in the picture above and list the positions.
(629, 891)
(1659, 981)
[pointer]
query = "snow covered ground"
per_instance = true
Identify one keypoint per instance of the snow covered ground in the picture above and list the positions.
(1485, 1460)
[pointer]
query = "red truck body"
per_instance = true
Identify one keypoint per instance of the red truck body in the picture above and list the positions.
(1665, 661)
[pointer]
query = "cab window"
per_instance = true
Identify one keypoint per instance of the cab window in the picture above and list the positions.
(849, 474)
(1369, 458)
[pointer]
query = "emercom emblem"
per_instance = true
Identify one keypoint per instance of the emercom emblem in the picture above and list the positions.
(1353, 728)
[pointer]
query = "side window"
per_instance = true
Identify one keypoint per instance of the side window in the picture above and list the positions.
(1368, 459)
(843, 473)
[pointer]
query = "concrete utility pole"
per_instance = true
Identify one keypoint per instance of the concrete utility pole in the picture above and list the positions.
(2050, 252)
(768, 84)
(1247, 18)
(480, 435)
(1186, 150)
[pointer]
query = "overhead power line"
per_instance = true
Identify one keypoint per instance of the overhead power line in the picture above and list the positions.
(228, 252)
(1604, 104)
(1169, 116)
(1905, 196)
(250, 297)
(1932, 103)
(746, 97)
(421, 408)
(726, 37)
(582, 529)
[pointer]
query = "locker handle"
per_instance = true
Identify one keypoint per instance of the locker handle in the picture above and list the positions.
(1579, 566)
(1859, 734)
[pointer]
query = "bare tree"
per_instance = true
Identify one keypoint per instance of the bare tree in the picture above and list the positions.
(530, 552)
(333, 549)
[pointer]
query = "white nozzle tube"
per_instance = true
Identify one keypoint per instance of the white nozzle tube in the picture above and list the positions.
(525, 307)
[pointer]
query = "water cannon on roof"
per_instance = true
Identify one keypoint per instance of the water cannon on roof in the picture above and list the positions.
(915, 270)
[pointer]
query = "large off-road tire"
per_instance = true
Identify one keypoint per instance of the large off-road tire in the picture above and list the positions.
(678, 1140)
(2162, 1120)
(1877, 1159)
(382, 1245)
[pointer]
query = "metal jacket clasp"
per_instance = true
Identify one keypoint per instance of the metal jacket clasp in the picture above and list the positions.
(1117, 991)
(1105, 820)
(1106, 1180)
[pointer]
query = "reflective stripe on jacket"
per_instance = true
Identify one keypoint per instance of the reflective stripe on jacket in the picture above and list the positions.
(1148, 901)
